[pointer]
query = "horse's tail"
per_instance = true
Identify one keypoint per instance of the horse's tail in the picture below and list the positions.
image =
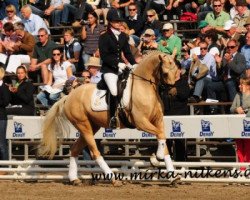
(53, 128)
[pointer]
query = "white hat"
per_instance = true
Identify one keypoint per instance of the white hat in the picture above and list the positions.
(93, 61)
(229, 24)
(167, 26)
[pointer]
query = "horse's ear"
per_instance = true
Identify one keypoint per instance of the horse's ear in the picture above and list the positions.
(161, 57)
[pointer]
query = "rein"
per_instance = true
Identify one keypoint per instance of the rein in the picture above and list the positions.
(149, 80)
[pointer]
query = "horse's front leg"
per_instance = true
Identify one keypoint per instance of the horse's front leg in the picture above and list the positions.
(162, 150)
(157, 129)
(163, 153)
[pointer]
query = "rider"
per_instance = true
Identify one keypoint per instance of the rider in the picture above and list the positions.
(112, 44)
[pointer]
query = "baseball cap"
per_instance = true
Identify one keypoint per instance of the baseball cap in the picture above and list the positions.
(167, 26)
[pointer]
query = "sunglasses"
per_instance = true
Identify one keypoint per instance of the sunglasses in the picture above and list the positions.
(203, 48)
(40, 35)
(147, 35)
(150, 15)
(56, 54)
(165, 30)
(86, 76)
(231, 47)
(132, 9)
(9, 11)
(216, 6)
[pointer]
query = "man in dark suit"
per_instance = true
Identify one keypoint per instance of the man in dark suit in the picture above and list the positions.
(111, 45)
(230, 68)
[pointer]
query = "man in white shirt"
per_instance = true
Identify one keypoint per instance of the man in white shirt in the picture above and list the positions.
(31, 21)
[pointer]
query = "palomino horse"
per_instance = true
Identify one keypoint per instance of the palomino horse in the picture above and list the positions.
(145, 113)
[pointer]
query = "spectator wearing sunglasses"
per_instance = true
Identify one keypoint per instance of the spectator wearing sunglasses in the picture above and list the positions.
(59, 72)
(231, 33)
(232, 65)
(135, 23)
(153, 22)
(217, 18)
(11, 15)
(41, 57)
(4, 4)
(202, 71)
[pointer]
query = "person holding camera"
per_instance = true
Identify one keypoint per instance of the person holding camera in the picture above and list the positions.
(148, 42)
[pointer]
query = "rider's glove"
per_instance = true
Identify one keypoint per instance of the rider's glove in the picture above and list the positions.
(121, 66)
(131, 66)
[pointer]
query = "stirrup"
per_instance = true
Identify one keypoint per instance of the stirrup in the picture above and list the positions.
(114, 123)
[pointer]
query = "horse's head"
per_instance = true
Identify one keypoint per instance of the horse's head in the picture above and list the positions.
(168, 69)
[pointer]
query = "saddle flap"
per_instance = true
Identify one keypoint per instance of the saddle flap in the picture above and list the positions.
(98, 99)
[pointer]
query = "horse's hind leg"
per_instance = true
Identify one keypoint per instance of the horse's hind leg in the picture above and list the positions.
(88, 136)
(75, 151)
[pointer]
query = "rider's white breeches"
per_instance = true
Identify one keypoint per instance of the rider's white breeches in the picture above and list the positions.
(111, 81)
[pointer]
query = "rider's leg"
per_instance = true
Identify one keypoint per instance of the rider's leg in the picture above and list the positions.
(111, 81)
(113, 103)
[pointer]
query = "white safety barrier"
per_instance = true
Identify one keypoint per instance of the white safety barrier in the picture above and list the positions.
(199, 126)
(126, 170)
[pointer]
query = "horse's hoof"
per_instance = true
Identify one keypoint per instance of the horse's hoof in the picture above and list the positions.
(76, 182)
(176, 180)
(154, 161)
(117, 183)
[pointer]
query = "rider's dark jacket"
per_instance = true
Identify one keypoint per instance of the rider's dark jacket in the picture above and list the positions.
(110, 51)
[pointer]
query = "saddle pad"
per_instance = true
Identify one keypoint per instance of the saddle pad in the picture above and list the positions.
(98, 99)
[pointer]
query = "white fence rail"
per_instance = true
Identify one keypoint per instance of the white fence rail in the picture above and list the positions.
(127, 170)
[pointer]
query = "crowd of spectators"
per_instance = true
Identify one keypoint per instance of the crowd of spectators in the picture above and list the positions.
(214, 59)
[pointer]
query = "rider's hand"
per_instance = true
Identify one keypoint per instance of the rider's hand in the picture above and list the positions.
(172, 91)
(121, 66)
(131, 66)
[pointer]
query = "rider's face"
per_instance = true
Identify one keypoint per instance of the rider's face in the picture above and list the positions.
(116, 24)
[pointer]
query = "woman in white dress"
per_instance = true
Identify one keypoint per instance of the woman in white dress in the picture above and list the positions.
(59, 72)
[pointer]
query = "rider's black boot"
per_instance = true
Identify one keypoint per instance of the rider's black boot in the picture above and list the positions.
(113, 103)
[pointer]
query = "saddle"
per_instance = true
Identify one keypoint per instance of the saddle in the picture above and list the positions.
(121, 84)
(123, 96)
